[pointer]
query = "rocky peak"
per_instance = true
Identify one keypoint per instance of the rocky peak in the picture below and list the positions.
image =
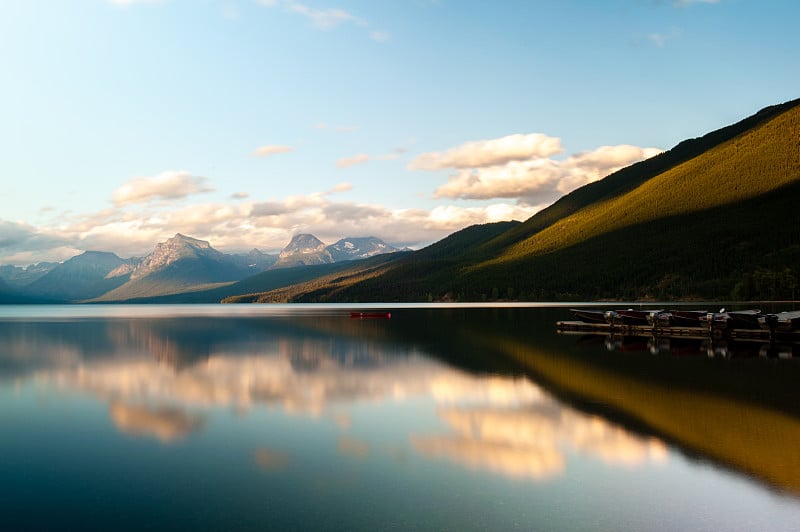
(304, 249)
(123, 269)
(183, 240)
(176, 248)
(351, 248)
(302, 244)
(22, 275)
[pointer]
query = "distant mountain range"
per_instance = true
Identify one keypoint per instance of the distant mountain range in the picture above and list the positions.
(306, 250)
(181, 264)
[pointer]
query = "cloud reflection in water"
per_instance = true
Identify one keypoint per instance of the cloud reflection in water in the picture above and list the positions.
(500, 424)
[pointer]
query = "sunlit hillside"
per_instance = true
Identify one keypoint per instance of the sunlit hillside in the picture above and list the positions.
(756, 162)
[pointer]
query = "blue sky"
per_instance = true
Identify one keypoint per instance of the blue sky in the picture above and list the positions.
(244, 122)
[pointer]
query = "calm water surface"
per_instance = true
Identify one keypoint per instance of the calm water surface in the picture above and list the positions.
(275, 417)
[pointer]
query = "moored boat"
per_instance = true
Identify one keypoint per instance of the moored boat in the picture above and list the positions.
(686, 318)
(635, 317)
(676, 318)
(716, 320)
(589, 316)
(744, 319)
(782, 321)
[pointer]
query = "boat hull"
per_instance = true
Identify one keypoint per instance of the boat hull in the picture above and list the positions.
(589, 316)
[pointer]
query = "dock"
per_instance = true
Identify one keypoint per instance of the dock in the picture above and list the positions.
(689, 333)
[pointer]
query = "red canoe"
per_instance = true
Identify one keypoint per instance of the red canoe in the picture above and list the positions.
(384, 315)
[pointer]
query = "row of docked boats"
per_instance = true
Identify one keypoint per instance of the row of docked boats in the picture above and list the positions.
(732, 319)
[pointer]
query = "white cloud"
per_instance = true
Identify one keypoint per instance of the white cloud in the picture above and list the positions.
(325, 18)
(341, 187)
(167, 185)
(485, 153)
(12, 233)
(346, 162)
(513, 180)
(22, 244)
(521, 167)
(271, 149)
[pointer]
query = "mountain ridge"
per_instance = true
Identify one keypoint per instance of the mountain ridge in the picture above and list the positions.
(181, 265)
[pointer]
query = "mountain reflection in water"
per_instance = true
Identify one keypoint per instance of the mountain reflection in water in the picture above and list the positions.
(491, 392)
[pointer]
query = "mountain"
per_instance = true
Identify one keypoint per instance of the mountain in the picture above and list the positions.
(13, 296)
(178, 264)
(307, 250)
(255, 261)
(714, 217)
(267, 281)
(358, 248)
(174, 250)
(82, 277)
(180, 269)
(303, 250)
(21, 276)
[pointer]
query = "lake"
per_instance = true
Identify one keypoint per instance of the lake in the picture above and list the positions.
(254, 417)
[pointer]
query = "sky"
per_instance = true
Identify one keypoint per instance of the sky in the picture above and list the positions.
(245, 122)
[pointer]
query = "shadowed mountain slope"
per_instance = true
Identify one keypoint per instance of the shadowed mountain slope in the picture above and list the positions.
(81, 277)
(262, 282)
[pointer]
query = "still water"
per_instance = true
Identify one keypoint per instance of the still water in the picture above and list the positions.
(448, 418)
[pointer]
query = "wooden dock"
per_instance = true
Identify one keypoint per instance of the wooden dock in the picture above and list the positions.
(693, 333)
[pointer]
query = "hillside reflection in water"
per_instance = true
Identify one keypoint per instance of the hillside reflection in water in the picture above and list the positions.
(441, 399)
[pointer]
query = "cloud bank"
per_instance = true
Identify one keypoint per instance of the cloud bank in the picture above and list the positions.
(523, 167)
(487, 153)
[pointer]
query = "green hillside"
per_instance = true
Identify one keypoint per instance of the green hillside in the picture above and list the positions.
(713, 218)
(757, 161)
(627, 179)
